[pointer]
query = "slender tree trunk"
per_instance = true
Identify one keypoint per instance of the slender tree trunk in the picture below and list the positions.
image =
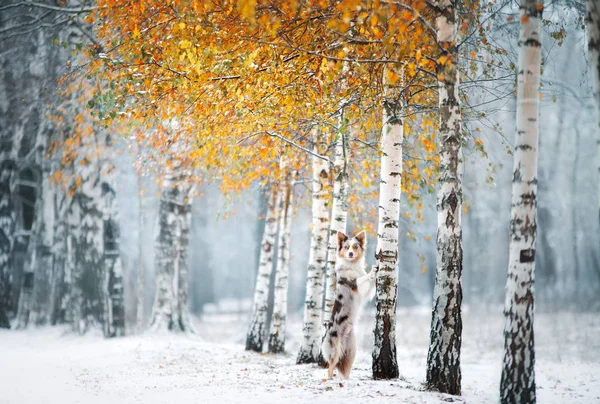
(256, 331)
(7, 228)
(112, 286)
(385, 365)
(278, 320)
(58, 288)
(518, 378)
(44, 270)
(170, 310)
(312, 326)
(140, 307)
(339, 213)
(73, 272)
(29, 269)
(443, 359)
(593, 30)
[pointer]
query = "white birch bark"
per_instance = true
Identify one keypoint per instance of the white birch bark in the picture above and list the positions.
(593, 31)
(313, 305)
(518, 377)
(112, 285)
(34, 301)
(140, 306)
(7, 226)
(44, 271)
(85, 250)
(385, 365)
(59, 282)
(256, 330)
(339, 218)
(170, 310)
(278, 320)
(443, 359)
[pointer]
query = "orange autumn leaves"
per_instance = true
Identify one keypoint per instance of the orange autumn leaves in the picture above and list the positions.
(205, 82)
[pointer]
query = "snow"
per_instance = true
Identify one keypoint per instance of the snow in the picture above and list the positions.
(50, 365)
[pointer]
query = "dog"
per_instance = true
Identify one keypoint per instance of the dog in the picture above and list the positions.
(354, 287)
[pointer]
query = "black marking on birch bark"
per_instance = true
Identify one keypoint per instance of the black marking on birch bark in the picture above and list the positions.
(527, 255)
(523, 147)
(532, 42)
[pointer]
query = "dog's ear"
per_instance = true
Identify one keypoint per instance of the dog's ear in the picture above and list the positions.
(362, 239)
(341, 239)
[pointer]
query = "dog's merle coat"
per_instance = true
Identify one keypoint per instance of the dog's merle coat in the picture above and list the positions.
(354, 287)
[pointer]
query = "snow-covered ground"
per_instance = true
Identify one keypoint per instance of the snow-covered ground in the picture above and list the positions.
(51, 366)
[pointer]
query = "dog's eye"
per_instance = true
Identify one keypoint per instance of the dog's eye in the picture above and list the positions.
(355, 246)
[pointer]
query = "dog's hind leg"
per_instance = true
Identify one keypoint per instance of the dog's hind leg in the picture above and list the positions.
(334, 358)
(346, 362)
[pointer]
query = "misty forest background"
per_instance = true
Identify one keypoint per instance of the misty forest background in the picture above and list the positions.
(226, 232)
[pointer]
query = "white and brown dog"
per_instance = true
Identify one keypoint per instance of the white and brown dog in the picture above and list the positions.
(354, 287)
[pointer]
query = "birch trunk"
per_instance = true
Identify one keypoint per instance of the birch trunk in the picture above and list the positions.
(170, 310)
(518, 378)
(44, 271)
(7, 228)
(313, 306)
(29, 273)
(112, 286)
(278, 320)
(339, 213)
(86, 260)
(140, 306)
(256, 331)
(593, 30)
(58, 288)
(385, 365)
(443, 358)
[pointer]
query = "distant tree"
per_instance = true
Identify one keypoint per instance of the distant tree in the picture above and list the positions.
(256, 331)
(170, 311)
(593, 31)
(518, 376)
(279, 318)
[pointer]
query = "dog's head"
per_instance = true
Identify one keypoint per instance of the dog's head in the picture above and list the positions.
(352, 249)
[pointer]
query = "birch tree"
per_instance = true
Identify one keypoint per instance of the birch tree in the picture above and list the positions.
(385, 365)
(443, 358)
(7, 226)
(170, 310)
(139, 290)
(313, 305)
(593, 31)
(278, 321)
(518, 377)
(339, 217)
(44, 269)
(84, 246)
(256, 331)
(112, 281)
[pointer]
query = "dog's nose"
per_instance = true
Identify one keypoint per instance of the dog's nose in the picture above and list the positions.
(351, 254)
